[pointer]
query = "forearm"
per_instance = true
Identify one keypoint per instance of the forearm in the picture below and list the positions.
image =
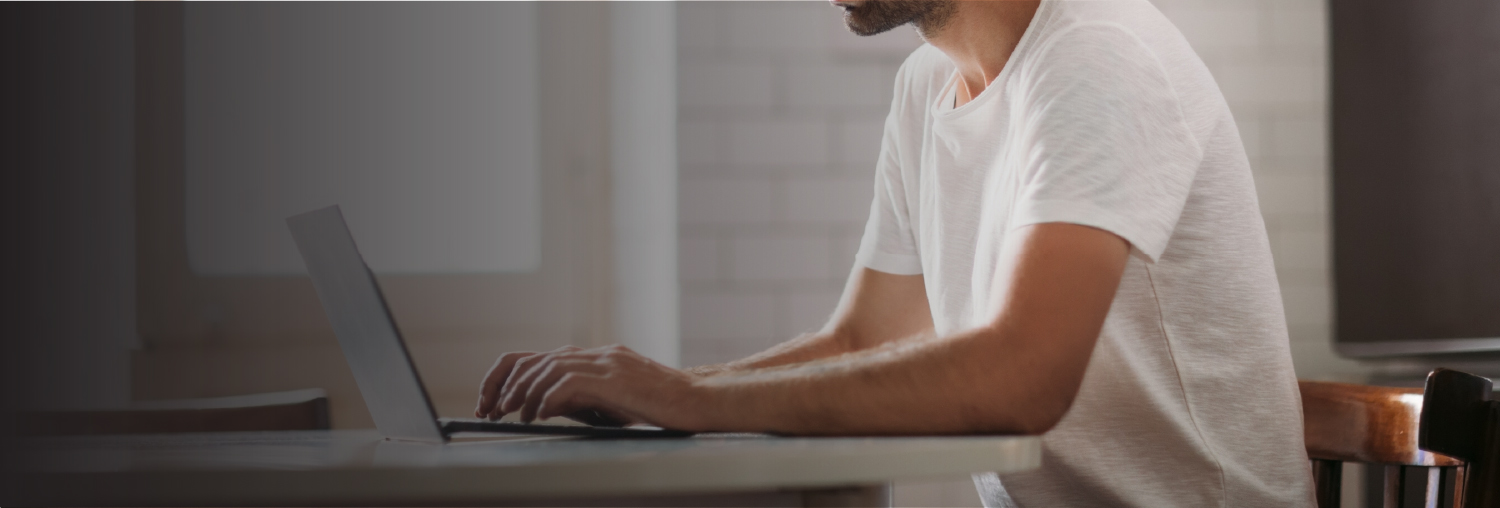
(965, 383)
(1017, 374)
(807, 348)
(876, 309)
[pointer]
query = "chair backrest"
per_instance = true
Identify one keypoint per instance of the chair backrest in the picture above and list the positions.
(1373, 425)
(293, 410)
(1460, 419)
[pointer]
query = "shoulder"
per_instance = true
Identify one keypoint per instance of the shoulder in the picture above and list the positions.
(1123, 50)
(1093, 48)
(1112, 38)
(1085, 53)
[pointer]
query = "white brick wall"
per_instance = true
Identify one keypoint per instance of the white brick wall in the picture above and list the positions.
(781, 112)
(781, 117)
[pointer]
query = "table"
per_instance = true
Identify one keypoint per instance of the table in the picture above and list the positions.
(359, 467)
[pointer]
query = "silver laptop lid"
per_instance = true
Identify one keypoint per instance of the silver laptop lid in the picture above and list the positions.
(364, 327)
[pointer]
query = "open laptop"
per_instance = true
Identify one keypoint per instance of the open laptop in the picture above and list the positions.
(371, 342)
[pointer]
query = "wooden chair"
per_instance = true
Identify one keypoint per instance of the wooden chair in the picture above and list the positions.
(1459, 420)
(1377, 426)
(292, 410)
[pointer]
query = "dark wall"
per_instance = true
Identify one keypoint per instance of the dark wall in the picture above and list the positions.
(1416, 169)
(67, 148)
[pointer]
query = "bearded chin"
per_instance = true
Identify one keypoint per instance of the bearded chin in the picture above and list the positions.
(875, 17)
(879, 16)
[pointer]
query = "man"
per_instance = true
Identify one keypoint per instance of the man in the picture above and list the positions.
(1064, 241)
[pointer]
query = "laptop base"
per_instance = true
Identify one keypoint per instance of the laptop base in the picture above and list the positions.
(452, 426)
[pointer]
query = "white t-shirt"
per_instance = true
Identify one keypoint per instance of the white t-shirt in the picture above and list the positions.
(1104, 116)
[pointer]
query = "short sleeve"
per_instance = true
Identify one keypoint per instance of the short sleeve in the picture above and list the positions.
(889, 243)
(1105, 139)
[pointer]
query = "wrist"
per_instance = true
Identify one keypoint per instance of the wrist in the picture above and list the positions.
(705, 403)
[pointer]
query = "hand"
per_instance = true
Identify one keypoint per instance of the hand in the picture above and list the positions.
(489, 389)
(614, 381)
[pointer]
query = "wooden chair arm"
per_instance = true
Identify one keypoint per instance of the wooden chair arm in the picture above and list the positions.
(1361, 423)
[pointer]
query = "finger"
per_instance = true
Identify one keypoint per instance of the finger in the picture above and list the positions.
(572, 392)
(521, 378)
(490, 387)
(490, 383)
(501, 370)
(508, 382)
(549, 376)
(517, 374)
(526, 373)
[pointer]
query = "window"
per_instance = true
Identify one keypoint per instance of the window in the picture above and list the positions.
(419, 120)
(219, 322)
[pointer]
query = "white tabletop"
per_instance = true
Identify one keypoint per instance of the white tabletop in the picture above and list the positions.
(355, 467)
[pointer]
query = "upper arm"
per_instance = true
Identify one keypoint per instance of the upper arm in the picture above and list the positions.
(1108, 144)
(885, 298)
(879, 307)
(1056, 283)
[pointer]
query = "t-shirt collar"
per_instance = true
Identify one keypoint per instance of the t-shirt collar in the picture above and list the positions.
(943, 106)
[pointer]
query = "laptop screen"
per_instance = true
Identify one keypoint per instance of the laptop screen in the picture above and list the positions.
(366, 332)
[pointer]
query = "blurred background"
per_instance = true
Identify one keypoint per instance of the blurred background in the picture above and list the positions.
(690, 179)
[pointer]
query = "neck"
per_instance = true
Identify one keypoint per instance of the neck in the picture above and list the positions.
(979, 37)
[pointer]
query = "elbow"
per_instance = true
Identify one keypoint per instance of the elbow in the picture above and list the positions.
(1043, 419)
(1033, 392)
(1032, 421)
(1033, 411)
(1043, 408)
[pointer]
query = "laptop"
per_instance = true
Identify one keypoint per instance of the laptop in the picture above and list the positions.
(376, 353)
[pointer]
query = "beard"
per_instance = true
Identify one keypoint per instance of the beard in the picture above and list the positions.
(879, 16)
